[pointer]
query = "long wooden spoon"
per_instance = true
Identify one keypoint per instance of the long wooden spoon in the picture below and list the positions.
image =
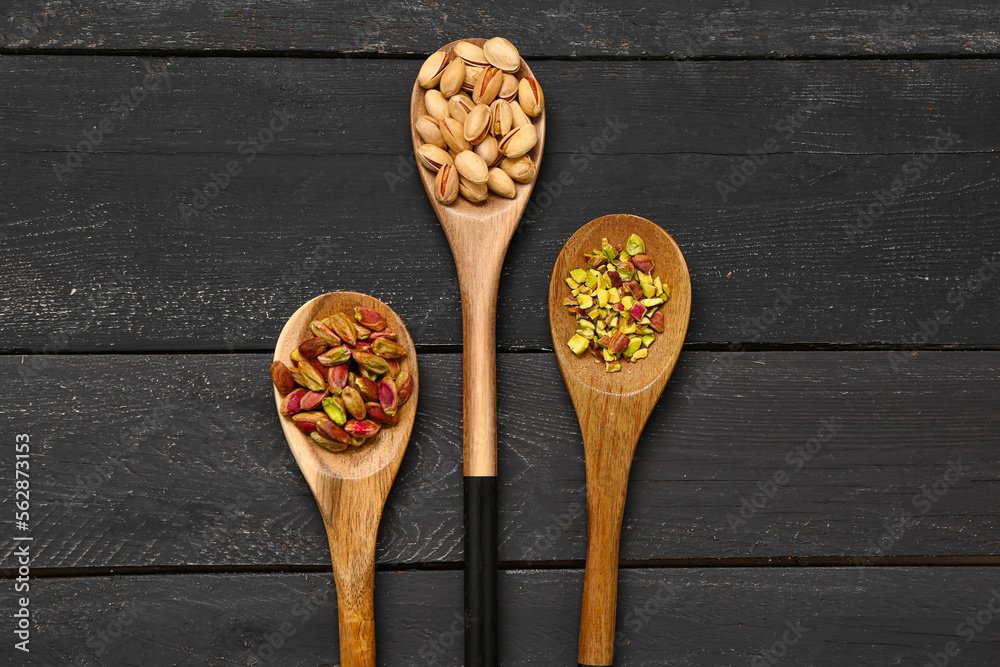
(479, 235)
(613, 409)
(351, 486)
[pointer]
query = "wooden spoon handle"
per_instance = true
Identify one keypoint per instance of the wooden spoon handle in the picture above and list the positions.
(356, 608)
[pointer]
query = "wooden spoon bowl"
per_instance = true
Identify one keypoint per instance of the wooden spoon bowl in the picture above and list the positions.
(351, 486)
(479, 235)
(613, 409)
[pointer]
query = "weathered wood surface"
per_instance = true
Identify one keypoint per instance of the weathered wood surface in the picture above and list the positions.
(719, 617)
(108, 256)
(170, 460)
(559, 28)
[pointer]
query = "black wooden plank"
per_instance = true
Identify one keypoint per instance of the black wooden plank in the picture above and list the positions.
(694, 617)
(209, 105)
(174, 460)
(547, 28)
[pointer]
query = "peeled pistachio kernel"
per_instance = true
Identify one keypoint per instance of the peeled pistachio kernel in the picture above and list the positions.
(470, 53)
(489, 151)
(472, 167)
(472, 74)
(436, 104)
(474, 192)
(446, 184)
(477, 124)
(429, 131)
(431, 70)
(452, 78)
(508, 89)
(501, 117)
(500, 183)
(522, 169)
(459, 107)
(454, 135)
(529, 94)
(519, 141)
(502, 54)
(433, 157)
(517, 114)
(488, 86)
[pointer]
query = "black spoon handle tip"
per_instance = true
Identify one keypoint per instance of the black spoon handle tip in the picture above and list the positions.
(481, 572)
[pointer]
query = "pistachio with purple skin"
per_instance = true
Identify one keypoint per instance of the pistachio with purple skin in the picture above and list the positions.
(282, 378)
(362, 428)
(291, 404)
(332, 431)
(336, 378)
(312, 347)
(335, 356)
(388, 396)
(368, 318)
(343, 327)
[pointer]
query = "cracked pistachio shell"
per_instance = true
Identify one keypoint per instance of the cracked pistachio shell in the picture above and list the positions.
(529, 94)
(500, 183)
(472, 167)
(437, 105)
(517, 113)
(502, 54)
(501, 118)
(472, 75)
(429, 131)
(470, 53)
(519, 141)
(431, 70)
(459, 107)
(454, 135)
(446, 184)
(487, 86)
(522, 169)
(508, 88)
(474, 192)
(477, 124)
(489, 150)
(433, 157)
(452, 78)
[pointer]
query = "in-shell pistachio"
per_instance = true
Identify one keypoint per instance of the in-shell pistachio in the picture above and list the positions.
(470, 53)
(446, 184)
(502, 54)
(517, 113)
(508, 89)
(459, 107)
(452, 78)
(529, 94)
(522, 169)
(436, 104)
(433, 157)
(488, 86)
(500, 183)
(454, 135)
(477, 124)
(429, 131)
(519, 141)
(472, 75)
(472, 167)
(476, 193)
(489, 150)
(431, 70)
(501, 117)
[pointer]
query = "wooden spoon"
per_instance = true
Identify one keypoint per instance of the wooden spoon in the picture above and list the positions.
(612, 409)
(479, 235)
(351, 486)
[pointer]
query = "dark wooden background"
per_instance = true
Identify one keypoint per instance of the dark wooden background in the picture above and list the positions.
(170, 523)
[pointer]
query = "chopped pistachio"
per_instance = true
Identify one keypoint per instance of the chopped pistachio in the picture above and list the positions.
(602, 297)
(578, 344)
(585, 301)
(578, 275)
(639, 354)
(647, 340)
(633, 346)
(612, 368)
(635, 245)
(654, 301)
(648, 289)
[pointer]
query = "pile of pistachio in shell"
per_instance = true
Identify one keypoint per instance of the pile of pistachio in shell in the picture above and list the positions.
(478, 129)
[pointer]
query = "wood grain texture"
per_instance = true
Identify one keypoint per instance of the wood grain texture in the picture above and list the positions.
(718, 617)
(146, 279)
(351, 486)
(612, 409)
(549, 28)
(190, 444)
